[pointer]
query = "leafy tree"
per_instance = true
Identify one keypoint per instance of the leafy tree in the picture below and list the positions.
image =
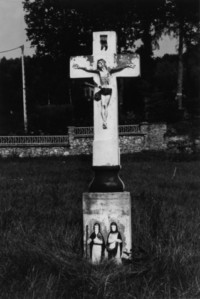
(59, 28)
(192, 79)
(182, 20)
(54, 29)
(63, 28)
(165, 73)
(11, 104)
(46, 91)
(150, 23)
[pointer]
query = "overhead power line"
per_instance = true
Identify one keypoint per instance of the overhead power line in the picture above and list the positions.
(10, 49)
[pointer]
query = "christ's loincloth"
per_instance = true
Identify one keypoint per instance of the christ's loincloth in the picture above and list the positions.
(102, 92)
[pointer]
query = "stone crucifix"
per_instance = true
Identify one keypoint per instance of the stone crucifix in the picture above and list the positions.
(104, 66)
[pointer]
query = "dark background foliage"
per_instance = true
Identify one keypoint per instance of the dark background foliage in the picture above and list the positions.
(60, 29)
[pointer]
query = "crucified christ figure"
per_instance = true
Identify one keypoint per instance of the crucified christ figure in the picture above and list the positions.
(105, 90)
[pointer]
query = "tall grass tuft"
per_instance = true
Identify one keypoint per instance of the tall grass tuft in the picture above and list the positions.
(41, 230)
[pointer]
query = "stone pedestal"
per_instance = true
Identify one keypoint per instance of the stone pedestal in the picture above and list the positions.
(107, 226)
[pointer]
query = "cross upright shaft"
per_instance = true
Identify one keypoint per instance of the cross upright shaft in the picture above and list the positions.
(106, 148)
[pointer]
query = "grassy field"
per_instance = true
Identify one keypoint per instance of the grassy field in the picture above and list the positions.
(41, 230)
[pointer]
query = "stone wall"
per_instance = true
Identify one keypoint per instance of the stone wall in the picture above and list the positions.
(149, 137)
(132, 144)
(33, 151)
(155, 136)
(183, 144)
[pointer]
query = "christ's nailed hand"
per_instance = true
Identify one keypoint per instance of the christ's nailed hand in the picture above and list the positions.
(131, 65)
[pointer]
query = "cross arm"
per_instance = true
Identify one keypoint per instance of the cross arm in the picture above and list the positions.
(81, 67)
(128, 65)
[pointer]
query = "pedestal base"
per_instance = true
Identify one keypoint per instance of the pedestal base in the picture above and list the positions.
(106, 179)
(107, 226)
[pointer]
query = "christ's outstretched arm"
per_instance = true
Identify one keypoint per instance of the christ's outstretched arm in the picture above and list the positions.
(85, 69)
(118, 69)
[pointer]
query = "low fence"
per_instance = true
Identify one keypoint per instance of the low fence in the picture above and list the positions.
(79, 140)
(89, 131)
(14, 141)
(34, 146)
(129, 130)
(132, 138)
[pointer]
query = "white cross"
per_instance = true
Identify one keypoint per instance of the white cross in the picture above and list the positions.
(104, 66)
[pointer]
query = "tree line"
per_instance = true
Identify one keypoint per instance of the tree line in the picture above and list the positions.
(59, 29)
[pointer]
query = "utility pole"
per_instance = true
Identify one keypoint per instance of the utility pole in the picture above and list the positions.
(179, 92)
(24, 92)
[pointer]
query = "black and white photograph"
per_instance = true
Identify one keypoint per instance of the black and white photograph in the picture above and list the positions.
(99, 149)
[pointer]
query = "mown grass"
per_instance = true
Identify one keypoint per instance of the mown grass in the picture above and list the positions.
(41, 230)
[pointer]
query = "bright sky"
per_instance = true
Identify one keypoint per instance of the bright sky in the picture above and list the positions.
(13, 34)
(12, 29)
(167, 46)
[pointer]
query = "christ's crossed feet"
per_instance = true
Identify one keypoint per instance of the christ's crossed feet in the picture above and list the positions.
(105, 126)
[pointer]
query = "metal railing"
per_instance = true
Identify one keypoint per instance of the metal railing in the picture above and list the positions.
(83, 131)
(61, 140)
(34, 140)
(129, 130)
(123, 130)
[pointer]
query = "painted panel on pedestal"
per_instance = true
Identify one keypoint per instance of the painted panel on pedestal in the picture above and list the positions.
(104, 242)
